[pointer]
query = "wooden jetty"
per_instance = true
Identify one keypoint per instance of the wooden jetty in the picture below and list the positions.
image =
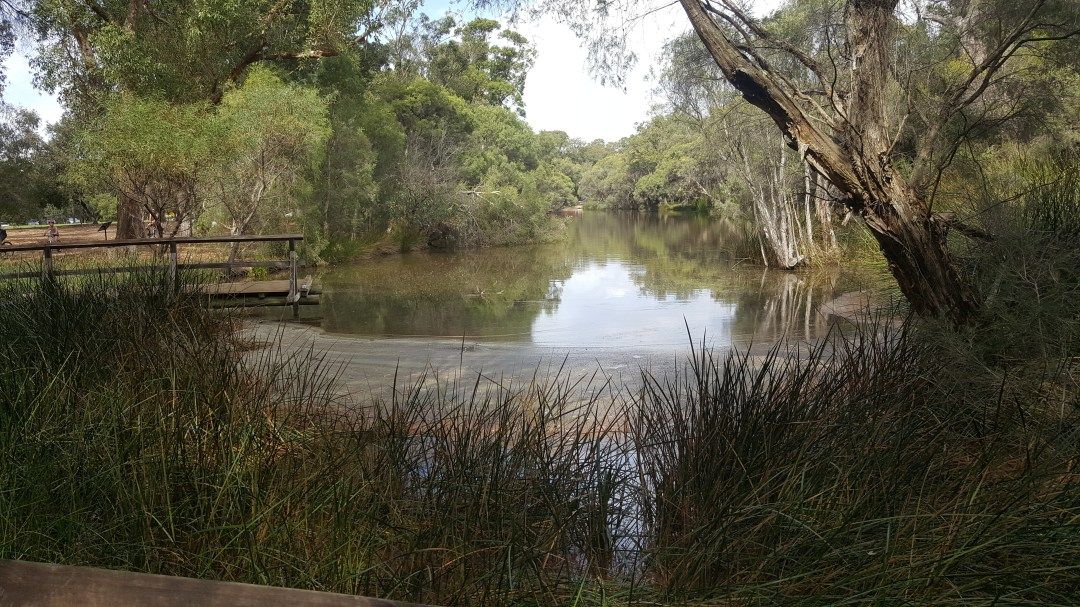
(259, 293)
(47, 585)
(292, 291)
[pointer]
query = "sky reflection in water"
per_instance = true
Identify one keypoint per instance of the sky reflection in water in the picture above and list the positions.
(617, 281)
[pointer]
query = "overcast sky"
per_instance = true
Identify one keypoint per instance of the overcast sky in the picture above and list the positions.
(560, 94)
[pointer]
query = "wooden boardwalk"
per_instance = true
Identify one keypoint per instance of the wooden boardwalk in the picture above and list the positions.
(289, 292)
(47, 585)
(262, 292)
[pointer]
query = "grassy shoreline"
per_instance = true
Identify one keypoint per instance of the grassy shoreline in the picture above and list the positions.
(139, 434)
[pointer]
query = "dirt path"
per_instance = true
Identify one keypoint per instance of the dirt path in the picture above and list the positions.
(86, 232)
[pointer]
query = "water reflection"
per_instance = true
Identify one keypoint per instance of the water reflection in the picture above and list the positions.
(617, 281)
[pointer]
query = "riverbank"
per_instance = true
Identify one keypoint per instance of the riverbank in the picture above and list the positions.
(166, 445)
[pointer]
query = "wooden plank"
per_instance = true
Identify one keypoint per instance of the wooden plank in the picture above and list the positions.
(250, 288)
(273, 264)
(276, 264)
(110, 244)
(47, 585)
(270, 301)
(254, 287)
(225, 289)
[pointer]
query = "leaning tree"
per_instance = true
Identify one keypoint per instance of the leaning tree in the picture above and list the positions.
(847, 127)
(880, 132)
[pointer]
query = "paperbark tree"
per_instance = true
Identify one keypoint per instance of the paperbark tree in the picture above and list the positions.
(851, 141)
(840, 110)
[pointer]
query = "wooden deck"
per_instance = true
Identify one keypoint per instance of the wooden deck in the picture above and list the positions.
(47, 585)
(263, 292)
(291, 292)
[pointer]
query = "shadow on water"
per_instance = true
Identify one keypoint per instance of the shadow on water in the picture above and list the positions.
(616, 281)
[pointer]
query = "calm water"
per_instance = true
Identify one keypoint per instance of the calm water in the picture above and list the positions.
(617, 280)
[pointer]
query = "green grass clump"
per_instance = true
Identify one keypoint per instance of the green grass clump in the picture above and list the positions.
(138, 431)
(859, 474)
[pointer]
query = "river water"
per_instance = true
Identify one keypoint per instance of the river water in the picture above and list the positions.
(617, 281)
(621, 292)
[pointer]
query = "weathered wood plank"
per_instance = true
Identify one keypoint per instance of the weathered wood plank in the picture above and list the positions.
(47, 585)
(110, 244)
(255, 288)
(273, 264)
(274, 301)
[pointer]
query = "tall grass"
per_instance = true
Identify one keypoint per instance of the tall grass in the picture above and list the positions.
(1030, 274)
(856, 475)
(139, 432)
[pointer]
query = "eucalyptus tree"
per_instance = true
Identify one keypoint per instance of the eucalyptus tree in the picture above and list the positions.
(187, 51)
(878, 98)
(150, 154)
(479, 60)
(178, 51)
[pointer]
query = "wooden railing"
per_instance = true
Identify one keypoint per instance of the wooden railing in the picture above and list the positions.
(172, 246)
(47, 585)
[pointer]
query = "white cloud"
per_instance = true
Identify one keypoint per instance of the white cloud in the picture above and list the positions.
(20, 90)
(560, 94)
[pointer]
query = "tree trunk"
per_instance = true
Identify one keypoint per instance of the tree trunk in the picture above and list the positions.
(853, 153)
(914, 247)
(808, 197)
(129, 222)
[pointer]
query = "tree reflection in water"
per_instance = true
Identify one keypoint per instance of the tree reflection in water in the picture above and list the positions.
(617, 280)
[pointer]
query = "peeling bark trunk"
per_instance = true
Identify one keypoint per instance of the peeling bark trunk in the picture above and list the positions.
(852, 152)
(914, 247)
(823, 210)
(808, 197)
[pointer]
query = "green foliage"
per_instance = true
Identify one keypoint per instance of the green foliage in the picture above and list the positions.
(669, 162)
(609, 183)
(555, 184)
(1028, 274)
(271, 138)
(246, 163)
(103, 206)
(178, 114)
(467, 61)
(28, 169)
(146, 151)
(185, 51)
(140, 140)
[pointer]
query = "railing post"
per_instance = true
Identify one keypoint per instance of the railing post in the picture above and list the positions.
(294, 291)
(172, 268)
(47, 262)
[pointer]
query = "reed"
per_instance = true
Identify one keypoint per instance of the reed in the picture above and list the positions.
(139, 431)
